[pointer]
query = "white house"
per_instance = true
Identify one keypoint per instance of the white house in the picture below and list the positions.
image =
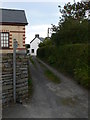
(34, 44)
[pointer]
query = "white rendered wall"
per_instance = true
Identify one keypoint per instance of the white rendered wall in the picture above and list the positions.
(34, 45)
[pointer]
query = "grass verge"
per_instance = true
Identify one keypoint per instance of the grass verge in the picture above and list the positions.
(31, 60)
(30, 88)
(30, 85)
(51, 76)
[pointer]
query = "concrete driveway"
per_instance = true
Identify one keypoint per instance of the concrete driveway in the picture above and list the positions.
(50, 100)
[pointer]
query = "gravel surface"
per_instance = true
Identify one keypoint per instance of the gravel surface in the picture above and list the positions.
(50, 100)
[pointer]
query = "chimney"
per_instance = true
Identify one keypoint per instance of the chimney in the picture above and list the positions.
(37, 36)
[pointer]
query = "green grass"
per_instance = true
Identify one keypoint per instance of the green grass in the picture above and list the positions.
(41, 64)
(30, 88)
(51, 76)
(30, 85)
(31, 60)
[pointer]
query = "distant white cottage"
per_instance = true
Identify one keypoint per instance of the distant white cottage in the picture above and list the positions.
(34, 44)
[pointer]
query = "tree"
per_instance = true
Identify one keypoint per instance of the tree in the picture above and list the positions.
(75, 11)
(27, 46)
(73, 25)
(46, 42)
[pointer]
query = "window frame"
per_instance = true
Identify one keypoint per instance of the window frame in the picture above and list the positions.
(32, 50)
(3, 40)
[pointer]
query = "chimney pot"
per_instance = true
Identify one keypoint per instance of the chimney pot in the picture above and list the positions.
(37, 35)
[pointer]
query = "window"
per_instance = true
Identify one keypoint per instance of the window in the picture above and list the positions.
(4, 40)
(32, 50)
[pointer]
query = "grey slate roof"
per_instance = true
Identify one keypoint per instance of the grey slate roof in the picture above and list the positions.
(13, 16)
(40, 38)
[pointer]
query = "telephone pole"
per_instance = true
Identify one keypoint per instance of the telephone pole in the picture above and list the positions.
(48, 31)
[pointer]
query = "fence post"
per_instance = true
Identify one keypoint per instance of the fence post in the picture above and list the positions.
(15, 45)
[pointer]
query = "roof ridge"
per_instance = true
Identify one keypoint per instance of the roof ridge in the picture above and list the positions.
(35, 38)
(11, 9)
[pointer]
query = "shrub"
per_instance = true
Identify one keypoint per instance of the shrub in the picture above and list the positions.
(81, 73)
(71, 59)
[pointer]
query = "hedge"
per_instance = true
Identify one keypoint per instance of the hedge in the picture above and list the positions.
(71, 59)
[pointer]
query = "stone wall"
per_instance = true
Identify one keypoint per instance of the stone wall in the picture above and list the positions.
(21, 77)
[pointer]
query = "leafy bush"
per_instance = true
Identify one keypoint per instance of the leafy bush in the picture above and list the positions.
(81, 74)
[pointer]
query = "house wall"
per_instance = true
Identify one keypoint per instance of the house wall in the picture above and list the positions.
(7, 77)
(34, 45)
(15, 32)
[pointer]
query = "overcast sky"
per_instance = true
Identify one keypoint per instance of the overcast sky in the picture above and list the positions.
(40, 15)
